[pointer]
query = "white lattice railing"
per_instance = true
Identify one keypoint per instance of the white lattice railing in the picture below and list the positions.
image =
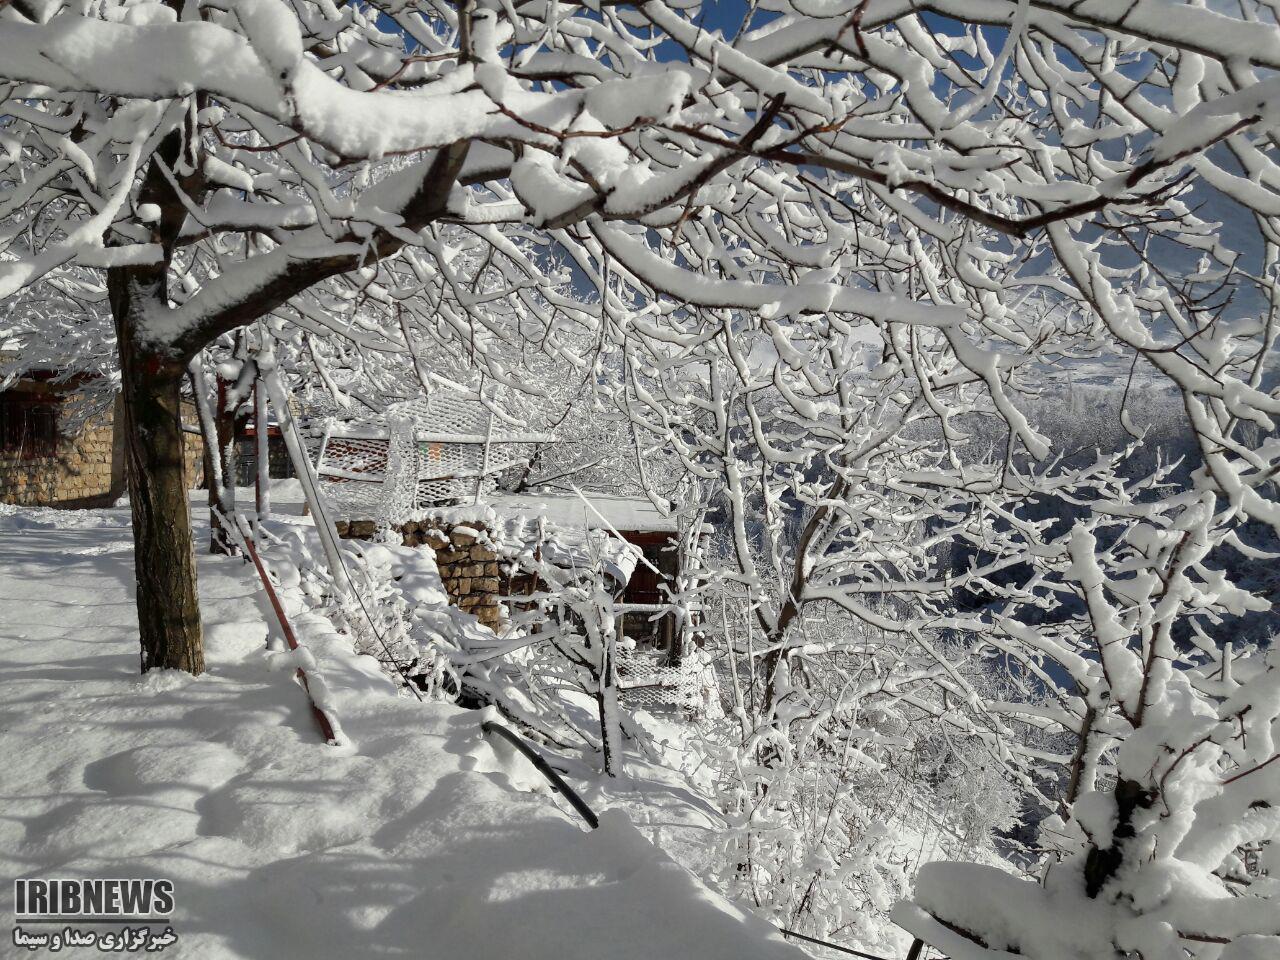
(645, 681)
(418, 454)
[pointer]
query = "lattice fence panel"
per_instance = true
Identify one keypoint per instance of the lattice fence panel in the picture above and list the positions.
(456, 455)
(351, 472)
(644, 681)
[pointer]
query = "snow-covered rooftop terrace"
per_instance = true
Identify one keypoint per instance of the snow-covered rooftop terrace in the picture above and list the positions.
(592, 511)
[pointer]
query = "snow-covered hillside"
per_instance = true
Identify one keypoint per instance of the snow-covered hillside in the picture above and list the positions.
(418, 841)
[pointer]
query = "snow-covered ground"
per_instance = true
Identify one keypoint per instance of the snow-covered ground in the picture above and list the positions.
(419, 841)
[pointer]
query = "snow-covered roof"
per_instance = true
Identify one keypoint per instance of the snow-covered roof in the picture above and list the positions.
(440, 418)
(600, 511)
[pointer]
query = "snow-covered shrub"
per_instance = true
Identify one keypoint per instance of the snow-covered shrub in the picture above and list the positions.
(1166, 836)
(375, 615)
(831, 815)
(561, 647)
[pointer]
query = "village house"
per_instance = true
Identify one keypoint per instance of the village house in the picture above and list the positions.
(62, 446)
(432, 470)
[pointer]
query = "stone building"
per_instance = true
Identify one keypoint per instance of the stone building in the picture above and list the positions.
(446, 458)
(481, 552)
(474, 547)
(55, 452)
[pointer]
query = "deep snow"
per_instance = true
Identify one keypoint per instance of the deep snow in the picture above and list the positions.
(419, 841)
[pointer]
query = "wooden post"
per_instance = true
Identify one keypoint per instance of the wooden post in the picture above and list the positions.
(220, 539)
(262, 438)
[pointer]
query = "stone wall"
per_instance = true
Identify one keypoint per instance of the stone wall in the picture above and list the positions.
(469, 566)
(192, 446)
(87, 466)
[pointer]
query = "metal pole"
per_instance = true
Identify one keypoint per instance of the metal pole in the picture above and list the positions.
(839, 949)
(544, 768)
(306, 474)
(484, 463)
(286, 629)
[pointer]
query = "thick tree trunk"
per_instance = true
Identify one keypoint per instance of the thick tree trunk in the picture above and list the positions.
(164, 556)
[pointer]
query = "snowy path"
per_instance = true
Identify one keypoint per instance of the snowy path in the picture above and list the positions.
(415, 845)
